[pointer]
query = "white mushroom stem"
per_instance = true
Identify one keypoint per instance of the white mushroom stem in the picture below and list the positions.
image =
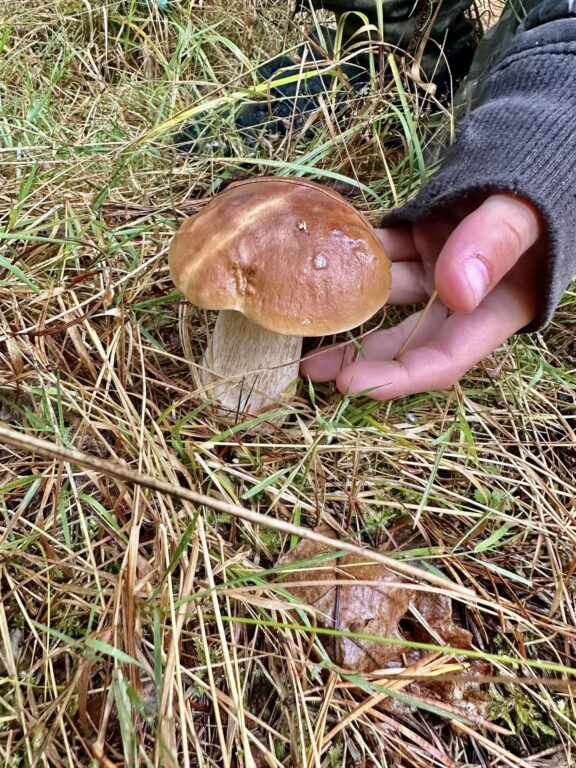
(247, 368)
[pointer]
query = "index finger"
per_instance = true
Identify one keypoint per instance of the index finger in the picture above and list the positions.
(459, 343)
(398, 243)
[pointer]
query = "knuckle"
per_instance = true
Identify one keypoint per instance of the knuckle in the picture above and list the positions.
(452, 370)
(511, 240)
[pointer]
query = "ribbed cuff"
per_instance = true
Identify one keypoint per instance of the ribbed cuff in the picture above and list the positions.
(520, 138)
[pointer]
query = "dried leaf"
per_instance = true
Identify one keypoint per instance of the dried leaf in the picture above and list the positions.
(389, 607)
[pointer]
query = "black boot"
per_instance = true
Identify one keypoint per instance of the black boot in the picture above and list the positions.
(287, 107)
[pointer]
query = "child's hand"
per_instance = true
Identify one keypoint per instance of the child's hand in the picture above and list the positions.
(484, 265)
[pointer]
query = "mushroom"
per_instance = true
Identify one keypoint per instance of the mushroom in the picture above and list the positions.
(281, 258)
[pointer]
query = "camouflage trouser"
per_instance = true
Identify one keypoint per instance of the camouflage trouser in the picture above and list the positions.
(466, 56)
(490, 48)
(445, 40)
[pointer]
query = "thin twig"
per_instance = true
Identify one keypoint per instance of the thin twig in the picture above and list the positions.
(51, 450)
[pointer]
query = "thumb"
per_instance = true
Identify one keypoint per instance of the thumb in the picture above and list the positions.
(483, 248)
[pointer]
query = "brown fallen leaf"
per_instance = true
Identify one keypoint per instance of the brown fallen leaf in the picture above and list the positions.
(389, 607)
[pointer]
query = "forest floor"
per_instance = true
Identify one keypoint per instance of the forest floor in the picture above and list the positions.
(147, 616)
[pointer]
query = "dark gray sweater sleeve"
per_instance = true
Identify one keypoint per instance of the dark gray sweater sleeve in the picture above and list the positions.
(520, 137)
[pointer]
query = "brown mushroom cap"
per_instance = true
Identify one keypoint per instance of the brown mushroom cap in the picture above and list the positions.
(293, 256)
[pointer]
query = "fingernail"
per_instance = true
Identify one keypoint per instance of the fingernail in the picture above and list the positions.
(477, 277)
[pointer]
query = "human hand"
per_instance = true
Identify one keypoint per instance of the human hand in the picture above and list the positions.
(484, 265)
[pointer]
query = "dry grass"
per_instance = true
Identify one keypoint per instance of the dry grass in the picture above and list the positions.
(145, 627)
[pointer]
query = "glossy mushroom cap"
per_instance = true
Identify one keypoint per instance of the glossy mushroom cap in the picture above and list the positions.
(291, 255)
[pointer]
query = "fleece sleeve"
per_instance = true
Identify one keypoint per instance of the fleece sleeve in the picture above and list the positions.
(520, 137)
